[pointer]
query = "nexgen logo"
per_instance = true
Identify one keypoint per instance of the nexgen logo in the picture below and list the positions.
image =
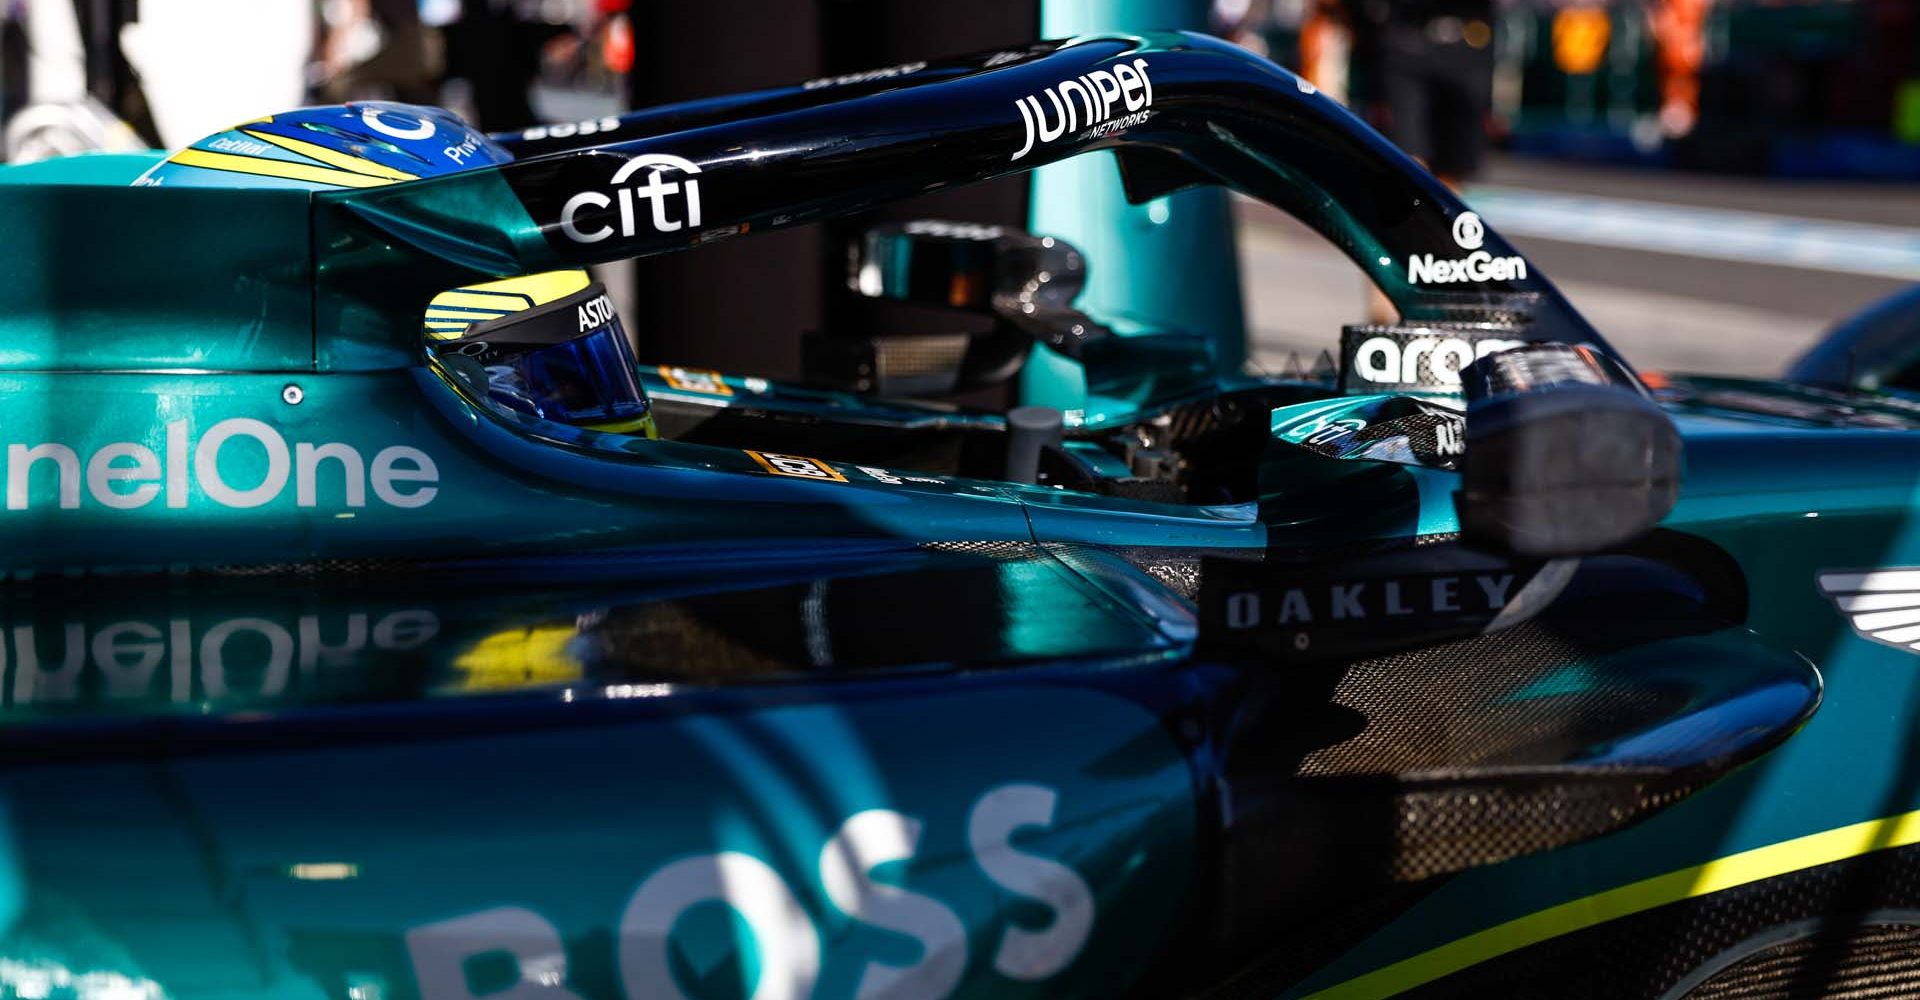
(127, 475)
(1426, 269)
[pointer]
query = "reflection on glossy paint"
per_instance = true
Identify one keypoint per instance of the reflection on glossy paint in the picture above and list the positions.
(45, 979)
(323, 871)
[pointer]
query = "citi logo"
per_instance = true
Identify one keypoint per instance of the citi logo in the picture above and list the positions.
(1087, 101)
(660, 194)
(1384, 360)
(127, 475)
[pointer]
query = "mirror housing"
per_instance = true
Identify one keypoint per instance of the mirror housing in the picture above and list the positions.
(1566, 453)
(1025, 282)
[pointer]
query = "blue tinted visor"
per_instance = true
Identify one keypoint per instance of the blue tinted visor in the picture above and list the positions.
(567, 361)
(587, 380)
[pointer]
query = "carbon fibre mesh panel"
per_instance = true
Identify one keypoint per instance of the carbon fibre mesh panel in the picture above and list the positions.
(1875, 962)
(1006, 551)
(1481, 702)
(1456, 826)
(1454, 736)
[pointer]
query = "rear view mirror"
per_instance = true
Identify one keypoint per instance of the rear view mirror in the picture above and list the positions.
(1566, 454)
(1025, 282)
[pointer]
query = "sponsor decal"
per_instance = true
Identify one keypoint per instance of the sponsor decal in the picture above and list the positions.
(790, 944)
(1321, 431)
(886, 73)
(393, 124)
(1396, 360)
(567, 130)
(895, 478)
(247, 147)
(953, 230)
(596, 313)
(1395, 429)
(1426, 269)
(797, 466)
(121, 660)
(1469, 233)
(722, 233)
(1451, 594)
(671, 205)
(1882, 605)
(695, 380)
(459, 154)
(1101, 102)
(1396, 600)
(128, 475)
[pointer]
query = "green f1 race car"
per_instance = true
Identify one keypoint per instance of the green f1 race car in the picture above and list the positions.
(378, 626)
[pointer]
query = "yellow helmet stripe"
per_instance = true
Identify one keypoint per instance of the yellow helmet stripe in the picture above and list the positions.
(333, 157)
(496, 302)
(274, 168)
(637, 427)
(548, 286)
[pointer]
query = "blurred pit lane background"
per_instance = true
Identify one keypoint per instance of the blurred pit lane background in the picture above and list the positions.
(1712, 182)
(1683, 273)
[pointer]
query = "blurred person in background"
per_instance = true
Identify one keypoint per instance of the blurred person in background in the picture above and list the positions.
(13, 57)
(1423, 73)
(1680, 47)
(379, 48)
(1326, 46)
(1427, 69)
(572, 56)
(496, 47)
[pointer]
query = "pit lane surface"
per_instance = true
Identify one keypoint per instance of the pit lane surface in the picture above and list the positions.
(1681, 272)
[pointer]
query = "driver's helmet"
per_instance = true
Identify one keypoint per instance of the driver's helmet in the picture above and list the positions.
(548, 345)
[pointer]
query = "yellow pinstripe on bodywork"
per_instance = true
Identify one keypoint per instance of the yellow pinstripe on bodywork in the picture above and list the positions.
(1717, 875)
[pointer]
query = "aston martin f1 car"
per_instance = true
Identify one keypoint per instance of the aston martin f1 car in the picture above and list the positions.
(375, 627)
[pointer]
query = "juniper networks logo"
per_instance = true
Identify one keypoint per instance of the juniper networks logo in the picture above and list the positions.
(1469, 233)
(1101, 102)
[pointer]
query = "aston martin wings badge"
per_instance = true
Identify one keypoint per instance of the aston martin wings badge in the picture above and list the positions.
(1881, 604)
